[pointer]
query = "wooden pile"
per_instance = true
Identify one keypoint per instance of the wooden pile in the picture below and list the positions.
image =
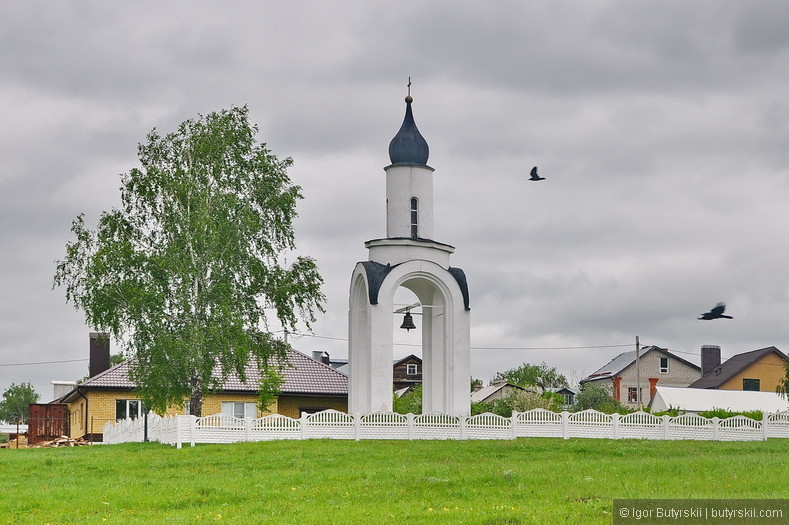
(62, 441)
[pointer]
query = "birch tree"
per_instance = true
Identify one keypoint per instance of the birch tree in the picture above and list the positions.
(191, 268)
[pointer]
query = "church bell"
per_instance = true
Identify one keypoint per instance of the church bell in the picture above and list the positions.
(408, 322)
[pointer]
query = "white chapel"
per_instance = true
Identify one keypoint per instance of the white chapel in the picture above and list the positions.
(409, 257)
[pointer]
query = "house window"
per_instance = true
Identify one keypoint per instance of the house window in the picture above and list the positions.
(664, 365)
(751, 384)
(414, 217)
(128, 408)
(411, 369)
(632, 394)
(239, 409)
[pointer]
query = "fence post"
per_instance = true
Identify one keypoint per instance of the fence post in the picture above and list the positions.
(715, 427)
(513, 424)
(615, 420)
(303, 424)
(357, 426)
(565, 425)
(192, 430)
(463, 420)
(178, 442)
(247, 428)
(409, 418)
(765, 420)
(665, 419)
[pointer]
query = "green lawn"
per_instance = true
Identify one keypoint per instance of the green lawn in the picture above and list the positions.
(535, 480)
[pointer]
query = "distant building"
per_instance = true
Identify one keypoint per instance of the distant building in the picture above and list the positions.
(657, 366)
(757, 370)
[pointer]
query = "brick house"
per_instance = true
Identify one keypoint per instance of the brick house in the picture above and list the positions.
(109, 395)
(757, 370)
(656, 366)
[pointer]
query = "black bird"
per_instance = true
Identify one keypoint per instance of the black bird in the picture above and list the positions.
(534, 175)
(716, 313)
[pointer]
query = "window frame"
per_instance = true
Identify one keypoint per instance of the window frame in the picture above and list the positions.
(411, 369)
(661, 368)
(414, 217)
(127, 409)
(753, 382)
(245, 408)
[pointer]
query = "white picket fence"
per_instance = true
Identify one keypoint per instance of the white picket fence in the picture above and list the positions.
(330, 424)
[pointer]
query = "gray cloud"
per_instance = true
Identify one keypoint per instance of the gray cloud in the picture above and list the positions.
(661, 129)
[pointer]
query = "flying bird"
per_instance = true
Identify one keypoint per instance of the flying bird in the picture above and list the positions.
(716, 313)
(534, 175)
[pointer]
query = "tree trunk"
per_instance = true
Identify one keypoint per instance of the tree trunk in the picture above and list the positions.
(196, 400)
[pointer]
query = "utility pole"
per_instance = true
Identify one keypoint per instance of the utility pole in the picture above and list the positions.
(638, 375)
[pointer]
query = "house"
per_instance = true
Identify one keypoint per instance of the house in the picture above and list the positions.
(490, 393)
(655, 366)
(109, 395)
(566, 392)
(694, 400)
(757, 370)
(406, 372)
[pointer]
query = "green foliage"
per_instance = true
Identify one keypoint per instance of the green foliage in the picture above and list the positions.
(408, 403)
(16, 398)
(598, 397)
(476, 384)
(480, 407)
(722, 413)
(518, 401)
(270, 388)
(184, 271)
(783, 384)
(541, 376)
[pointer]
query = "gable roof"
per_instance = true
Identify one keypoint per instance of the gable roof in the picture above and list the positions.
(733, 366)
(625, 359)
(302, 375)
(407, 358)
(484, 393)
(696, 400)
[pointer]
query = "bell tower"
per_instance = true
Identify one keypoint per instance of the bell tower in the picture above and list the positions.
(409, 257)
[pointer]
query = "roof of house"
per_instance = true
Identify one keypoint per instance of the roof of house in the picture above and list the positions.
(699, 400)
(303, 375)
(486, 392)
(407, 358)
(733, 366)
(625, 359)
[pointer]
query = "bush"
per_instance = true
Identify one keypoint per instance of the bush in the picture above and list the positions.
(598, 397)
(722, 413)
(410, 402)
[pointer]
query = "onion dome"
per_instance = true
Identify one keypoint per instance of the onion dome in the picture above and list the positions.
(408, 147)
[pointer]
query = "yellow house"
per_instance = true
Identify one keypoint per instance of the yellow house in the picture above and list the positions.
(308, 386)
(758, 370)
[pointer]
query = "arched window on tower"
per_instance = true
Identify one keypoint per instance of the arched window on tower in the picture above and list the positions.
(414, 217)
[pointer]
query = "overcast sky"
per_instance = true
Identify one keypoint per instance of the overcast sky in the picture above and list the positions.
(662, 129)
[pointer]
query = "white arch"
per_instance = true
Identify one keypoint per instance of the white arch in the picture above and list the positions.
(445, 338)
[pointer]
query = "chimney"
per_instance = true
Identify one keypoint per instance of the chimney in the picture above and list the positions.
(99, 353)
(321, 357)
(710, 359)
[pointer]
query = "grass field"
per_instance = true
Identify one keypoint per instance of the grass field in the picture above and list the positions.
(378, 482)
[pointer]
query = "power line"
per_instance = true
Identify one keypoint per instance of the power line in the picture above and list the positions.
(487, 347)
(45, 362)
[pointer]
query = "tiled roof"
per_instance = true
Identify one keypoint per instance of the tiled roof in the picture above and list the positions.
(733, 366)
(302, 375)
